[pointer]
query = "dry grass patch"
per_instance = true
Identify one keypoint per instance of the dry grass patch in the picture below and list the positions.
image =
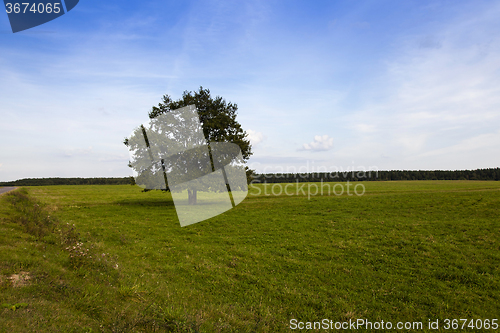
(21, 279)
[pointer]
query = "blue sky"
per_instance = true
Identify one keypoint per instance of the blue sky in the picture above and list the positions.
(320, 85)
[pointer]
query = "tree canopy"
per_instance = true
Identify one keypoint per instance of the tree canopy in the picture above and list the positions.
(172, 151)
(218, 117)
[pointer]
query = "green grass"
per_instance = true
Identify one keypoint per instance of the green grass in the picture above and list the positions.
(404, 251)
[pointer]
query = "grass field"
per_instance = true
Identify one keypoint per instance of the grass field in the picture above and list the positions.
(114, 259)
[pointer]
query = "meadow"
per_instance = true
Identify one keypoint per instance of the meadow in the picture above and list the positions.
(111, 258)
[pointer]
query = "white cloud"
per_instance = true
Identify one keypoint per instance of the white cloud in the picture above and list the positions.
(76, 152)
(320, 143)
(255, 137)
(488, 140)
(364, 128)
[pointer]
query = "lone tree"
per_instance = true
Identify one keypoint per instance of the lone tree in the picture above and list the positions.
(218, 119)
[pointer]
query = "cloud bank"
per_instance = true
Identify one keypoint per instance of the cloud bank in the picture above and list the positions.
(320, 143)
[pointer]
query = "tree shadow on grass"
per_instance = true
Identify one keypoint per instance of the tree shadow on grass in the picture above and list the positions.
(146, 202)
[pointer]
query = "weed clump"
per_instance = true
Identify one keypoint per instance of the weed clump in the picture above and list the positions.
(31, 214)
(36, 220)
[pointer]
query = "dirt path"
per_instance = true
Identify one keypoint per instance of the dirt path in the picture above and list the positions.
(6, 189)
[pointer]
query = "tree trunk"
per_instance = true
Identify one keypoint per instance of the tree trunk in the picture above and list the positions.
(192, 197)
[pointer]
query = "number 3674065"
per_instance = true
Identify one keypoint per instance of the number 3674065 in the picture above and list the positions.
(25, 7)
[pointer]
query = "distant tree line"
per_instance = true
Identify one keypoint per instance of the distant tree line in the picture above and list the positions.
(69, 181)
(340, 176)
(372, 175)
